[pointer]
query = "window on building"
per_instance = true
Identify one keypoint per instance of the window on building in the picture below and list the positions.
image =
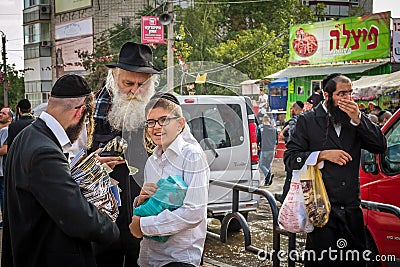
(29, 3)
(34, 98)
(314, 84)
(126, 21)
(37, 32)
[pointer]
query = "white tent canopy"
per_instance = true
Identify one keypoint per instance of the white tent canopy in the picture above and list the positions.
(384, 80)
(376, 85)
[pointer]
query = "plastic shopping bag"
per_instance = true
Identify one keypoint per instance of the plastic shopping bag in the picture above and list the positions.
(316, 199)
(292, 215)
(170, 195)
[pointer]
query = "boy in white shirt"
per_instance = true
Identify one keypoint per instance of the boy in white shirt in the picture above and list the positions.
(186, 225)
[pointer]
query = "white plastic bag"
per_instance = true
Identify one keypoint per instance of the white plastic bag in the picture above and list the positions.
(293, 216)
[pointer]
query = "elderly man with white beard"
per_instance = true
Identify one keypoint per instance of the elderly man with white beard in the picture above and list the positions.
(120, 106)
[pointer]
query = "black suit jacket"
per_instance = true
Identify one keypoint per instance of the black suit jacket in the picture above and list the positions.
(17, 126)
(312, 134)
(47, 220)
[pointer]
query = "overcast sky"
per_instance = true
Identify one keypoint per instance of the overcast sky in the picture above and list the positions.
(11, 25)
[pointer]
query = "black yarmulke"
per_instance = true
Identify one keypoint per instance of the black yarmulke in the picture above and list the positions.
(70, 86)
(167, 96)
(300, 104)
(24, 104)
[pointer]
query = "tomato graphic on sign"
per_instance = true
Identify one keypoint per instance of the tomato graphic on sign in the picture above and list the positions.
(304, 44)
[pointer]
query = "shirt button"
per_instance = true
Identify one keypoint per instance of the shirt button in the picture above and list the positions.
(342, 207)
(343, 183)
(298, 159)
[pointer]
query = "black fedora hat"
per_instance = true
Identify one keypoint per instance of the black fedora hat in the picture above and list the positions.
(135, 57)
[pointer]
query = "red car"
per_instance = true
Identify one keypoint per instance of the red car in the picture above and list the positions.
(380, 182)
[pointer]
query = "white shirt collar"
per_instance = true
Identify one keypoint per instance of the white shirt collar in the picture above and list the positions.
(324, 106)
(56, 128)
(175, 147)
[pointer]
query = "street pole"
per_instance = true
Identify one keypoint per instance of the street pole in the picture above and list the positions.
(170, 53)
(5, 80)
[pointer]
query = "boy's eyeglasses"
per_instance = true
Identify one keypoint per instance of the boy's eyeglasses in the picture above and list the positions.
(163, 121)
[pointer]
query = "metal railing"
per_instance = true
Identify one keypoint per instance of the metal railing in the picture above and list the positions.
(235, 214)
(277, 231)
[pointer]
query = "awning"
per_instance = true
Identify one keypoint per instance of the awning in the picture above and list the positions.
(377, 84)
(250, 82)
(278, 82)
(303, 71)
(369, 81)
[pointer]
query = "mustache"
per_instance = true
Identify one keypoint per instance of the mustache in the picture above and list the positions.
(338, 115)
(131, 96)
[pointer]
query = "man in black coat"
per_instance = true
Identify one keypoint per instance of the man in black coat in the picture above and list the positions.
(316, 97)
(332, 136)
(24, 118)
(119, 111)
(47, 220)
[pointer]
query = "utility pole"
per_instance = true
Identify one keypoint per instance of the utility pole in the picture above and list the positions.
(5, 80)
(170, 53)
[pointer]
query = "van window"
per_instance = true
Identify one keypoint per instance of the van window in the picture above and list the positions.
(391, 158)
(220, 124)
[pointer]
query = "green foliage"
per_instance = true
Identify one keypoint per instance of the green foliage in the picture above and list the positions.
(201, 25)
(225, 33)
(95, 62)
(222, 33)
(182, 49)
(269, 55)
(15, 88)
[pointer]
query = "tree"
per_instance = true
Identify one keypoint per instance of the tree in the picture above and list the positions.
(226, 32)
(15, 88)
(222, 32)
(257, 52)
(95, 62)
(201, 25)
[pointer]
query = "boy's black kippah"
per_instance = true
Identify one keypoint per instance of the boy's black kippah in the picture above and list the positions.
(167, 96)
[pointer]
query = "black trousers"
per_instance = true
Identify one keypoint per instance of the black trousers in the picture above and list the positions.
(286, 186)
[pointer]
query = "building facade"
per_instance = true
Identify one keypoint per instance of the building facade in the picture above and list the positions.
(55, 29)
(340, 8)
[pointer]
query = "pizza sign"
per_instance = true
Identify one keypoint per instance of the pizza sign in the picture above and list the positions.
(354, 38)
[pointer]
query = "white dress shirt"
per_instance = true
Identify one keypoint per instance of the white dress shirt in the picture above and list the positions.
(186, 225)
(57, 129)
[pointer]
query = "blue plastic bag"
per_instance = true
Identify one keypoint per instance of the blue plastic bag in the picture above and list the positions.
(170, 195)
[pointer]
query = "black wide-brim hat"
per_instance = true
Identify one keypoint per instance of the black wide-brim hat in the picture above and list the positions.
(136, 58)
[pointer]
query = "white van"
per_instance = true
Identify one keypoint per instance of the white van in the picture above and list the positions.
(225, 127)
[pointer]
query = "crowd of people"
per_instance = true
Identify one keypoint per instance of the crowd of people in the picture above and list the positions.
(47, 221)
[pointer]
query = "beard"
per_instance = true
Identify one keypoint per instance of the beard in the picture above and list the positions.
(338, 115)
(127, 110)
(73, 132)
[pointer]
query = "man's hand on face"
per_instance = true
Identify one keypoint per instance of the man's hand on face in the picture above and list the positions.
(337, 156)
(350, 108)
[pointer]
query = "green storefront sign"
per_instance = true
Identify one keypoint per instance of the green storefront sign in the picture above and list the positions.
(343, 40)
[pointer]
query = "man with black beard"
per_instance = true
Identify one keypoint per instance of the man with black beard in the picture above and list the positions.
(47, 220)
(120, 107)
(332, 136)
